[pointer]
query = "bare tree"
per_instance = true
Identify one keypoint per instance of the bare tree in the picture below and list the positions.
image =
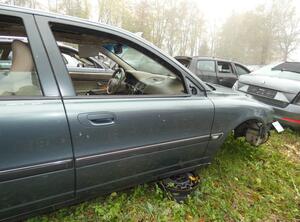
(258, 36)
(288, 28)
(111, 12)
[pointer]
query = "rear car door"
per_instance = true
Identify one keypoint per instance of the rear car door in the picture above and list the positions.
(36, 159)
(206, 70)
(225, 74)
(123, 140)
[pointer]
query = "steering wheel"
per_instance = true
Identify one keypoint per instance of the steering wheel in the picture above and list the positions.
(116, 81)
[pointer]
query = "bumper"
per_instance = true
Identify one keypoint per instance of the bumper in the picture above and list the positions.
(288, 116)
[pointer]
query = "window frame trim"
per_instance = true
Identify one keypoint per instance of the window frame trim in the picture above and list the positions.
(63, 79)
(44, 73)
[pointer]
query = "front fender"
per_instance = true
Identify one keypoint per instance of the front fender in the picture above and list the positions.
(232, 111)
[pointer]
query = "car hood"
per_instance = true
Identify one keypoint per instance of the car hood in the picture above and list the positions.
(278, 84)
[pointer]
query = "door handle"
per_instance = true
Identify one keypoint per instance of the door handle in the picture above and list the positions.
(97, 119)
(101, 119)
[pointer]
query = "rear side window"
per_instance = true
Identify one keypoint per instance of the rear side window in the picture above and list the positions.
(206, 65)
(18, 76)
(241, 70)
(224, 67)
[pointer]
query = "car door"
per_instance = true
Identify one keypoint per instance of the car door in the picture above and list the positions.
(206, 70)
(123, 140)
(36, 159)
(225, 74)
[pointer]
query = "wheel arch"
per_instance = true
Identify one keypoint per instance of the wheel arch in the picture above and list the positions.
(255, 131)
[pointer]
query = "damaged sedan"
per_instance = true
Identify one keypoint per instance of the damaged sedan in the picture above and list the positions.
(278, 86)
(67, 136)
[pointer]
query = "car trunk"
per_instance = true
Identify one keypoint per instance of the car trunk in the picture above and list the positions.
(271, 90)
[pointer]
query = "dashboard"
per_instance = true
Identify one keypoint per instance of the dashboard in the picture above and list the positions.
(143, 83)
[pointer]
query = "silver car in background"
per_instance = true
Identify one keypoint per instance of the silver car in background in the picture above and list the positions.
(278, 86)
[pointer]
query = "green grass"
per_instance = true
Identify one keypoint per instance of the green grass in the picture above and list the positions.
(242, 184)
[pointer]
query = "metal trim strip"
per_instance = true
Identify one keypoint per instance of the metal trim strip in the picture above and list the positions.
(27, 171)
(118, 154)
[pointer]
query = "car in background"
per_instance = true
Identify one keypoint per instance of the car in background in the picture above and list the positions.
(214, 70)
(278, 86)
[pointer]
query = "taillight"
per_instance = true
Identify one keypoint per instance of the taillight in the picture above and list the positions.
(291, 120)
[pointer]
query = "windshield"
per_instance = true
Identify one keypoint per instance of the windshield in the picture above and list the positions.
(138, 60)
(270, 71)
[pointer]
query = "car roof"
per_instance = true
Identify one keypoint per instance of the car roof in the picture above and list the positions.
(62, 17)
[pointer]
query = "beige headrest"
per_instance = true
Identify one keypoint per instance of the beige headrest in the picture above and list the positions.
(22, 58)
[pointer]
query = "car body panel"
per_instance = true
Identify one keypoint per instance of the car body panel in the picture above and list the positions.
(227, 116)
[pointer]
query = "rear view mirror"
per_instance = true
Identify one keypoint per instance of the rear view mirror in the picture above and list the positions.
(118, 49)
